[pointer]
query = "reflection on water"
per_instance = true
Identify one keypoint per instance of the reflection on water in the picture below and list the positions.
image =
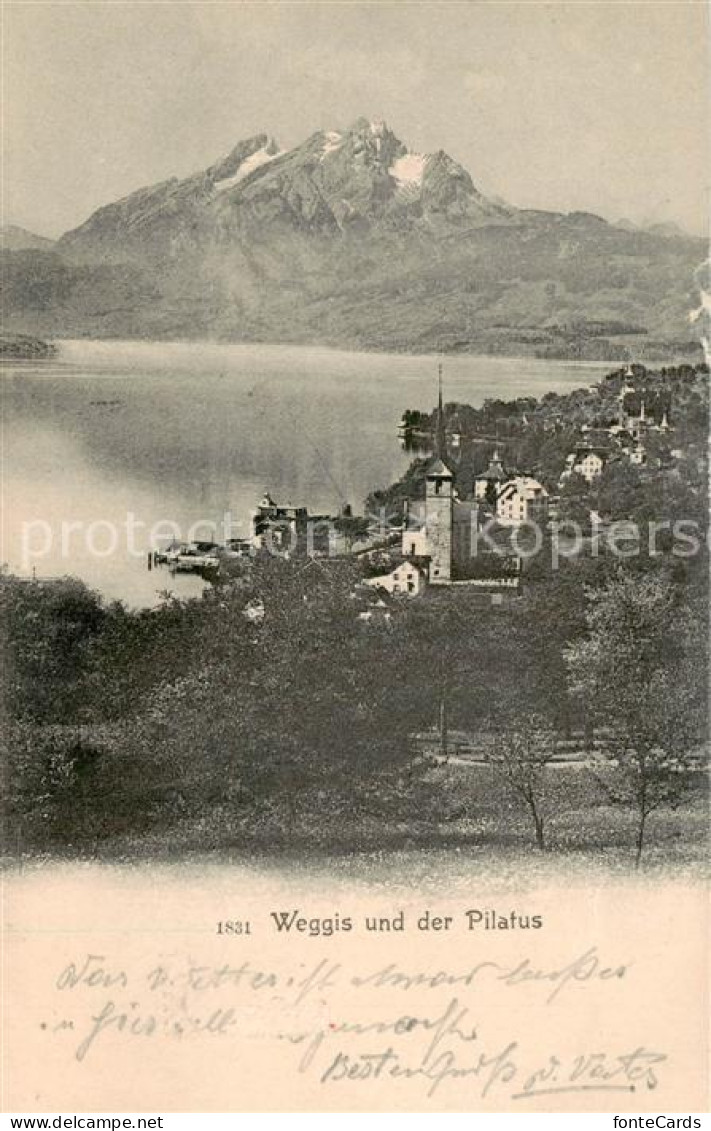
(120, 436)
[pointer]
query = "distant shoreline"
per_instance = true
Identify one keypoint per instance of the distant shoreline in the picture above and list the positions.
(24, 347)
(19, 346)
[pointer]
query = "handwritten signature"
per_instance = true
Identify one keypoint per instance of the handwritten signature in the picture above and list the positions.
(598, 1071)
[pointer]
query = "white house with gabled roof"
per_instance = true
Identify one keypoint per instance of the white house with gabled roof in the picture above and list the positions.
(587, 460)
(407, 578)
(520, 500)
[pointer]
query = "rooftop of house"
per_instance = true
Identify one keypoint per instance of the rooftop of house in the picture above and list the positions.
(495, 470)
(405, 569)
(438, 469)
(525, 485)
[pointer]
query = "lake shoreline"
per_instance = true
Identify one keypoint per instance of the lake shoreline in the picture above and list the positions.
(137, 434)
(668, 353)
(25, 347)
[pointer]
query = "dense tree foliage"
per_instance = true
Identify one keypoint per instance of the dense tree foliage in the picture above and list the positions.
(641, 670)
(288, 702)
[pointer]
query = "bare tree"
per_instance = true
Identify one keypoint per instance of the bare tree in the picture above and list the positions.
(520, 759)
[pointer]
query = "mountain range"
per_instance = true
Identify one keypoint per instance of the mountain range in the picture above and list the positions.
(351, 239)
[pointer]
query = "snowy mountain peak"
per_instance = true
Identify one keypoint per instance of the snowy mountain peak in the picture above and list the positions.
(349, 238)
(332, 142)
(409, 169)
(358, 179)
(242, 160)
(248, 166)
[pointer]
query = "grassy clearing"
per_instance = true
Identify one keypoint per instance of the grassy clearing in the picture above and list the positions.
(478, 836)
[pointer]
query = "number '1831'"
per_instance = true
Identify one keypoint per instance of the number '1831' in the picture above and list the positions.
(234, 927)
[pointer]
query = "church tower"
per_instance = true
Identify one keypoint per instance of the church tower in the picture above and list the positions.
(439, 505)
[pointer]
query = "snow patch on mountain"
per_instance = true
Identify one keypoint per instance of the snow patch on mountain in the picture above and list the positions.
(249, 165)
(333, 142)
(409, 170)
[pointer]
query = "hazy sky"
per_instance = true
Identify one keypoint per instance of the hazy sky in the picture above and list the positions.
(597, 106)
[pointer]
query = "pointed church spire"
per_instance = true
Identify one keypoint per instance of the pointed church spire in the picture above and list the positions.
(441, 436)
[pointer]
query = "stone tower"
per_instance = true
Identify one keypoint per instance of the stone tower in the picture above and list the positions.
(439, 508)
(439, 505)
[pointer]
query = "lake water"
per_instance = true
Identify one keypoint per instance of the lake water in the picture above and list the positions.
(109, 439)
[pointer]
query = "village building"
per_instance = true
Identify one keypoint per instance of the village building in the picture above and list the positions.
(624, 400)
(638, 455)
(414, 532)
(639, 426)
(277, 527)
(587, 461)
(239, 548)
(632, 417)
(289, 529)
(454, 433)
(254, 611)
(439, 532)
(378, 613)
(439, 516)
(373, 605)
(429, 531)
(488, 484)
(638, 421)
(521, 500)
(406, 578)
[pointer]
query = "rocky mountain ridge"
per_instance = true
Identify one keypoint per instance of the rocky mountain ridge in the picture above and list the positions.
(353, 239)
